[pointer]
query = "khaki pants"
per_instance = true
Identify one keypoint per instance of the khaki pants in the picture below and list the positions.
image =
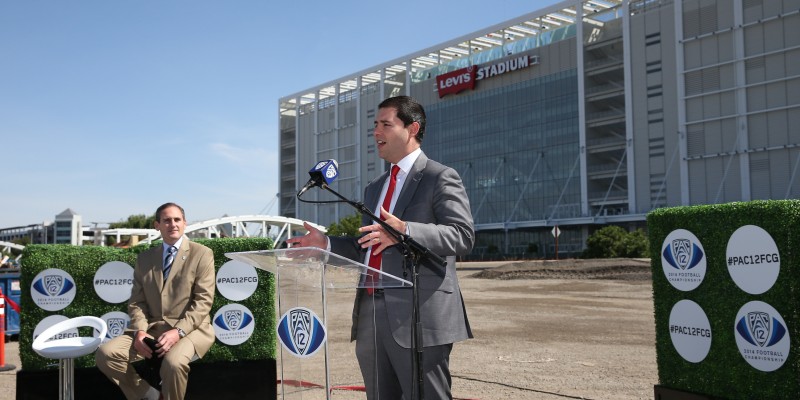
(114, 359)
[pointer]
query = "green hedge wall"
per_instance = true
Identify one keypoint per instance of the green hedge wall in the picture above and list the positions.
(724, 372)
(83, 261)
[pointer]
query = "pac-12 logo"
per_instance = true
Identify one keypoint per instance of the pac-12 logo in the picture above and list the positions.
(53, 289)
(233, 320)
(331, 172)
(116, 321)
(683, 254)
(115, 327)
(233, 324)
(762, 336)
(52, 285)
(683, 260)
(301, 332)
(759, 329)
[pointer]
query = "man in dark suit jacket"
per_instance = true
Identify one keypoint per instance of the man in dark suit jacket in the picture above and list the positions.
(431, 205)
(172, 308)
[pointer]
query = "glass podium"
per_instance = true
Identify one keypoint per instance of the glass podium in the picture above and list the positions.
(315, 292)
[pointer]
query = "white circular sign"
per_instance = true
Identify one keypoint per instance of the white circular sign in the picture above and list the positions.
(683, 260)
(53, 289)
(116, 321)
(50, 321)
(237, 280)
(113, 282)
(753, 259)
(233, 324)
(301, 332)
(690, 331)
(761, 336)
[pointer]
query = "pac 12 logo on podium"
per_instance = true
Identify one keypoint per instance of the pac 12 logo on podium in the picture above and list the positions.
(683, 260)
(301, 332)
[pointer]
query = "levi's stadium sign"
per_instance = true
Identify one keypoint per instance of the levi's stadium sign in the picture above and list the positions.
(465, 78)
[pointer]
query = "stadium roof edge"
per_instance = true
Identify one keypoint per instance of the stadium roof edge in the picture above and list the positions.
(470, 36)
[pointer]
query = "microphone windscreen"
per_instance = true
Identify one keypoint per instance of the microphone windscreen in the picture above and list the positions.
(326, 170)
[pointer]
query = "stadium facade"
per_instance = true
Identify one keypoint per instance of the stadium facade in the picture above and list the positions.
(579, 115)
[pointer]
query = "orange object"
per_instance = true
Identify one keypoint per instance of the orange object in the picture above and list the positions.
(3, 365)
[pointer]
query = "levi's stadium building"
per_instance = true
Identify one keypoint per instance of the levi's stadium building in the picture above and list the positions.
(576, 116)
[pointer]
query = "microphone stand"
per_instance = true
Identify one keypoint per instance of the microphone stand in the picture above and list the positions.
(413, 252)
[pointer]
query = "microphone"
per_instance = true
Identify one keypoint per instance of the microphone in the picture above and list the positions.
(324, 172)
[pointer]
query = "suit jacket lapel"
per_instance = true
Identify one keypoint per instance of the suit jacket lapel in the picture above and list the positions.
(156, 264)
(373, 192)
(410, 185)
(157, 275)
(180, 256)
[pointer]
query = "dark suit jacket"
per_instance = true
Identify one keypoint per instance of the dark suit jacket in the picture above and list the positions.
(435, 205)
(183, 301)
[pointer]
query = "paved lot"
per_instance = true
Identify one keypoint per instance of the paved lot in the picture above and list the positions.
(8, 379)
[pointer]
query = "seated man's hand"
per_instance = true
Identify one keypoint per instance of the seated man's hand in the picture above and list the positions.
(140, 346)
(166, 341)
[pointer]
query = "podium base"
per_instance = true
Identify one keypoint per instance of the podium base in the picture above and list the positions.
(665, 393)
(254, 379)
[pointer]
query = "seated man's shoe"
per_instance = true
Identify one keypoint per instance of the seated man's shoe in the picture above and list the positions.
(152, 394)
(149, 370)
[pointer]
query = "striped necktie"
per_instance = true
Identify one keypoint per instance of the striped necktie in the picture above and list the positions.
(168, 260)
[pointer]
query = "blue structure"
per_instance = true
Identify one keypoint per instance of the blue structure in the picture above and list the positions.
(10, 285)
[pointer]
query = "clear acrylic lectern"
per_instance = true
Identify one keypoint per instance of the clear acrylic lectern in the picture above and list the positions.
(315, 294)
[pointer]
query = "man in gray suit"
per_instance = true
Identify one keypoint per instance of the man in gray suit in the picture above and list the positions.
(171, 298)
(428, 202)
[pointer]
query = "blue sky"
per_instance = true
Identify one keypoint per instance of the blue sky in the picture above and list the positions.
(112, 108)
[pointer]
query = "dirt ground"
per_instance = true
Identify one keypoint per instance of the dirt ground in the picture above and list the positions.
(569, 329)
(558, 330)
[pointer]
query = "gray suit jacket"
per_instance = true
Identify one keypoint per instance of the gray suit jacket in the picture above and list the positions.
(435, 205)
(183, 301)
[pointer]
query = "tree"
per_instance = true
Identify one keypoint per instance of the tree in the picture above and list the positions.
(613, 242)
(636, 244)
(24, 241)
(347, 226)
(138, 221)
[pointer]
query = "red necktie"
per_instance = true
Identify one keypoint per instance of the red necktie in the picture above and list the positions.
(375, 260)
